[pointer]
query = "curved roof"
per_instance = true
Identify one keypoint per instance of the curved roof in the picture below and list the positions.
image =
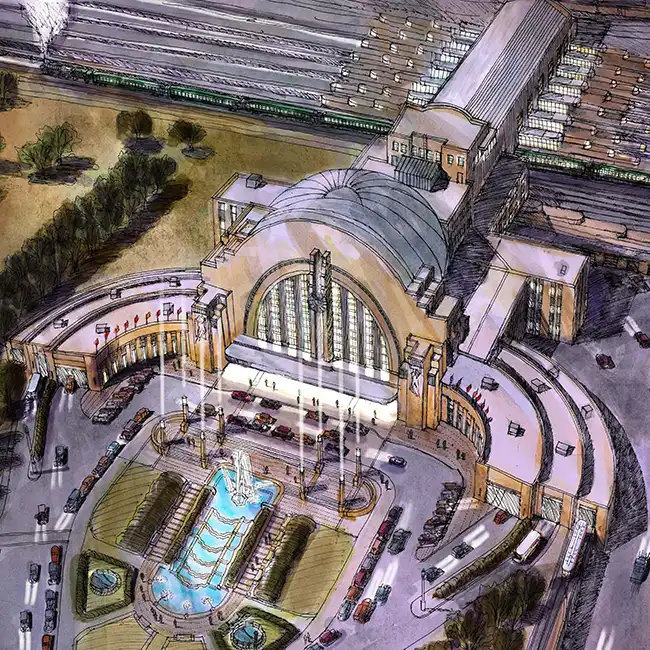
(386, 215)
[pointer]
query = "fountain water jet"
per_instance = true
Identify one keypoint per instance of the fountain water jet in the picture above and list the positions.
(242, 491)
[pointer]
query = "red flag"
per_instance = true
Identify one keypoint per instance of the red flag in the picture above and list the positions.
(487, 410)
(117, 329)
(474, 394)
(126, 325)
(136, 319)
(106, 333)
(158, 313)
(479, 398)
(468, 388)
(96, 342)
(179, 310)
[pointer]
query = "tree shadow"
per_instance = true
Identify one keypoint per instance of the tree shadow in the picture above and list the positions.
(149, 146)
(10, 461)
(198, 153)
(10, 168)
(65, 173)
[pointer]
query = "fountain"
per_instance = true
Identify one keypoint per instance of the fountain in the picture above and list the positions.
(242, 491)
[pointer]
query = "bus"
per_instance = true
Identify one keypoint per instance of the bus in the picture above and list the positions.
(576, 542)
(32, 388)
(527, 548)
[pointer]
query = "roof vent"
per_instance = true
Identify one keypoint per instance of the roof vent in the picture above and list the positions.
(516, 430)
(563, 269)
(254, 181)
(563, 449)
(60, 323)
(115, 294)
(102, 328)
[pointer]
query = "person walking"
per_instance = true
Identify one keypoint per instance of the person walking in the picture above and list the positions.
(337, 404)
(313, 401)
(266, 383)
(273, 385)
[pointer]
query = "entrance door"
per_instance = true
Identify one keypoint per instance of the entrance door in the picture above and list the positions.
(502, 498)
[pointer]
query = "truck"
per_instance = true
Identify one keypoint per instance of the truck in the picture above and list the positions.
(640, 569)
(528, 547)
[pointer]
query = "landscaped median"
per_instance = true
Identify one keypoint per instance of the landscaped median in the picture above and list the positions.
(42, 415)
(486, 563)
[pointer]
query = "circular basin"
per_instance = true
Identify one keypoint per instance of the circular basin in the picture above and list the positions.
(248, 636)
(104, 582)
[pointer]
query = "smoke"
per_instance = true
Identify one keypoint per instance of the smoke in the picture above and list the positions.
(47, 18)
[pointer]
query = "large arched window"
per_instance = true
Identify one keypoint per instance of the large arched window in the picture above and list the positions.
(284, 319)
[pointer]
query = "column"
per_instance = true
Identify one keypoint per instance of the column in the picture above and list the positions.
(341, 495)
(357, 471)
(320, 306)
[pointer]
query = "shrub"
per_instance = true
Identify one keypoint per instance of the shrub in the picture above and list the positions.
(436, 645)
(189, 133)
(42, 415)
(52, 145)
(247, 546)
(296, 535)
(136, 124)
(12, 384)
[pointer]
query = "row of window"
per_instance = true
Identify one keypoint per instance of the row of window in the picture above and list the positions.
(538, 141)
(403, 148)
(462, 419)
(226, 210)
(555, 311)
(534, 312)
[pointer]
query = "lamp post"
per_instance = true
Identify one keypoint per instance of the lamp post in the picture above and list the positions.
(423, 590)
(163, 437)
(341, 498)
(221, 426)
(319, 453)
(357, 470)
(186, 411)
(301, 488)
(202, 454)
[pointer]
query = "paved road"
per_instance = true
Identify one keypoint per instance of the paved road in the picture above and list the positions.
(620, 615)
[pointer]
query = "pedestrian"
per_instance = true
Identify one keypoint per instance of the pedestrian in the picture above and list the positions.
(373, 422)
(298, 399)
(317, 402)
(250, 382)
(210, 620)
(337, 403)
(175, 623)
(295, 479)
(313, 401)
(273, 385)
(266, 383)
(190, 372)
(288, 470)
(374, 413)
(349, 411)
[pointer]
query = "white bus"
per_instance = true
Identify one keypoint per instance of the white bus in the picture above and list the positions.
(31, 393)
(527, 548)
(576, 542)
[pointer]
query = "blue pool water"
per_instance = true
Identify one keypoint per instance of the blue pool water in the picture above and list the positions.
(191, 584)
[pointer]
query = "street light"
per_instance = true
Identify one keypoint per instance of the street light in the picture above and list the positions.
(423, 579)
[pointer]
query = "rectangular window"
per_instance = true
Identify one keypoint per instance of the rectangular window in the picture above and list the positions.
(222, 216)
(461, 161)
(421, 152)
(403, 148)
(459, 417)
(305, 324)
(429, 154)
(338, 321)
(290, 314)
(368, 337)
(450, 159)
(438, 156)
(233, 213)
(353, 338)
(395, 145)
(275, 315)
(450, 411)
(384, 353)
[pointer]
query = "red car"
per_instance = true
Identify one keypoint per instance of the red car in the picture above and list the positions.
(55, 554)
(604, 361)
(242, 396)
(316, 416)
(642, 339)
(361, 578)
(88, 484)
(47, 643)
(501, 517)
(329, 636)
(284, 432)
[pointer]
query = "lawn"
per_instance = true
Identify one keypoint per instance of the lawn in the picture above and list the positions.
(125, 634)
(94, 601)
(241, 144)
(185, 645)
(309, 584)
(116, 509)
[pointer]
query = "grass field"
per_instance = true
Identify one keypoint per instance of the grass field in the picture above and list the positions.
(125, 634)
(184, 235)
(185, 645)
(309, 583)
(113, 513)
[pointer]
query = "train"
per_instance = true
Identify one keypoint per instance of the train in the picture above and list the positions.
(236, 103)
(574, 549)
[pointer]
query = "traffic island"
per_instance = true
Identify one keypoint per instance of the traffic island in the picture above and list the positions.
(254, 629)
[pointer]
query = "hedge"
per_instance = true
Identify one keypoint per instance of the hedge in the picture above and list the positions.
(42, 415)
(12, 384)
(151, 512)
(81, 592)
(486, 563)
(195, 510)
(296, 535)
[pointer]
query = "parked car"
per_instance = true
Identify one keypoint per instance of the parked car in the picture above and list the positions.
(237, 420)
(42, 515)
(284, 432)
(256, 425)
(435, 522)
(364, 611)
(268, 403)
(397, 461)
(74, 501)
(430, 538)
(60, 456)
(361, 578)
(265, 419)
(642, 339)
(242, 396)
(123, 396)
(432, 573)
(378, 545)
(47, 642)
(54, 573)
(210, 410)
(142, 415)
(308, 440)
(334, 448)
(317, 416)
(382, 593)
(51, 599)
(640, 569)
(102, 465)
(25, 620)
(386, 529)
(395, 513)
(113, 450)
(104, 416)
(329, 636)
(460, 551)
(137, 383)
(70, 384)
(34, 572)
(50, 620)
(605, 362)
(351, 428)
(55, 554)
(345, 610)
(354, 593)
(332, 434)
(88, 484)
(131, 429)
(116, 404)
(501, 517)
(398, 541)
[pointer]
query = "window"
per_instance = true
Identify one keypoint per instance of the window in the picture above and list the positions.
(438, 156)
(372, 74)
(586, 144)
(361, 88)
(613, 83)
(402, 34)
(616, 139)
(378, 105)
(643, 147)
(407, 22)
(352, 102)
(409, 63)
(450, 410)
(450, 159)
(372, 32)
(364, 42)
(429, 36)
(397, 77)
(345, 72)
(414, 150)
(385, 91)
(610, 153)
(461, 161)
(403, 148)
(385, 59)
(420, 49)
(460, 177)
(429, 154)
(395, 145)
(421, 152)
(222, 216)
(233, 213)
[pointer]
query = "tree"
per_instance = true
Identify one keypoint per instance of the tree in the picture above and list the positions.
(110, 206)
(508, 639)
(436, 645)
(61, 139)
(529, 587)
(12, 381)
(20, 292)
(8, 319)
(41, 253)
(160, 169)
(498, 604)
(8, 89)
(69, 223)
(136, 124)
(38, 155)
(468, 630)
(190, 133)
(90, 234)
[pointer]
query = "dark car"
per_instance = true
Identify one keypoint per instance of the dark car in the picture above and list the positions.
(333, 448)
(640, 569)
(102, 465)
(74, 501)
(345, 610)
(398, 541)
(605, 362)
(25, 620)
(34, 572)
(209, 410)
(237, 420)
(70, 384)
(265, 419)
(105, 415)
(395, 513)
(328, 637)
(51, 599)
(137, 383)
(501, 517)
(460, 551)
(317, 416)
(397, 461)
(47, 642)
(284, 432)
(142, 415)
(352, 427)
(642, 339)
(42, 515)
(429, 538)
(242, 396)
(268, 403)
(332, 434)
(50, 620)
(54, 573)
(308, 440)
(60, 456)
(113, 450)
(256, 425)
(432, 573)
(382, 593)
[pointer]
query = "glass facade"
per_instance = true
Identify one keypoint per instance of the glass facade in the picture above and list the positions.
(284, 319)
(534, 313)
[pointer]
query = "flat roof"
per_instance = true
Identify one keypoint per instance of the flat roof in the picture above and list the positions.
(519, 457)
(501, 61)
(489, 309)
(440, 121)
(530, 259)
(566, 471)
(237, 192)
